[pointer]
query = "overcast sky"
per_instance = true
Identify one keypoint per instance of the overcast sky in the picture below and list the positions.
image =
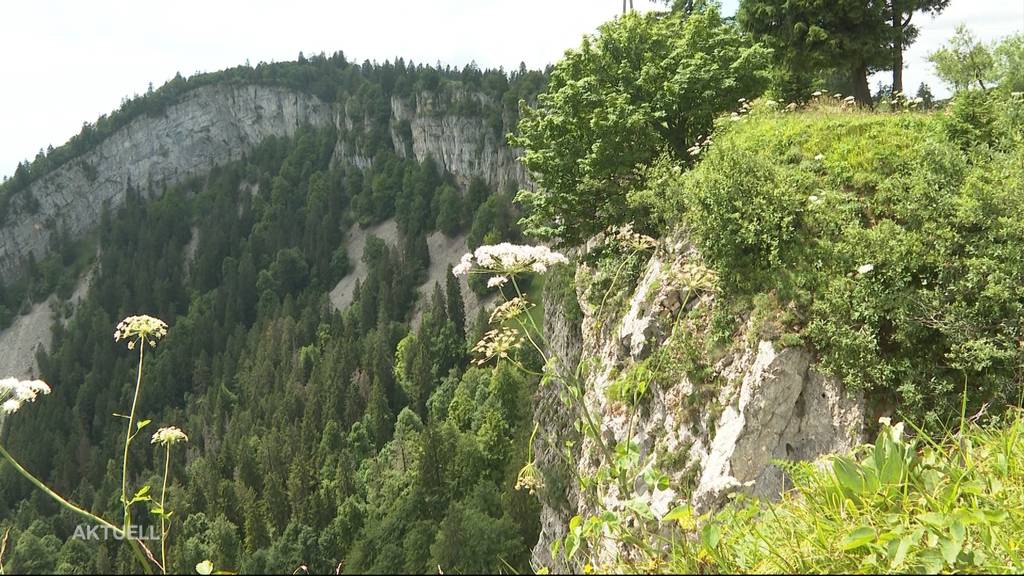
(68, 61)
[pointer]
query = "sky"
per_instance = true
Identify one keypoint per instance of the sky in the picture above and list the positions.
(65, 62)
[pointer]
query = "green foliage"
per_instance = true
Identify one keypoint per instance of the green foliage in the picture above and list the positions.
(317, 442)
(895, 247)
(645, 84)
(896, 506)
(852, 37)
(1009, 57)
(965, 61)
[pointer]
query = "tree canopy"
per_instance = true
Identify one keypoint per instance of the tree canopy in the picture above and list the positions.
(643, 86)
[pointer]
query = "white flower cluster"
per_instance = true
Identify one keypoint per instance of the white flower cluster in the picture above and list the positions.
(140, 328)
(510, 309)
(506, 259)
(497, 343)
(14, 393)
(169, 435)
(529, 479)
(627, 237)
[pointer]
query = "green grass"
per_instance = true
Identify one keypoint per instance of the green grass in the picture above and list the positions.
(895, 250)
(899, 505)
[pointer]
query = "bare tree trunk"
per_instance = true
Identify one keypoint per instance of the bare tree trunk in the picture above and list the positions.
(897, 49)
(861, 90)
(623, 6)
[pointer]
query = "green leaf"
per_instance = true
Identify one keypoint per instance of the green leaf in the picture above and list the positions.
(850, 476)
(957, 531)
(859, 537)
(932, 560)
(901, 552)
(711, 535)
(141, 424)
(681, 514)
(950, 551)
(205, 568)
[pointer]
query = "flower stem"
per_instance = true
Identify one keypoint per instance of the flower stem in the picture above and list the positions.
(128, 441)
(163, 512)
(60, 499)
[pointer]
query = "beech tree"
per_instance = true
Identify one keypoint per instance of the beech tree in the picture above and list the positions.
(644, 85)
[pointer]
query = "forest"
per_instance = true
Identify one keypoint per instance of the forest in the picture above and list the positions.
(880, 232)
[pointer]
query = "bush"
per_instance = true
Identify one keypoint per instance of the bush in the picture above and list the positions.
(899, 248)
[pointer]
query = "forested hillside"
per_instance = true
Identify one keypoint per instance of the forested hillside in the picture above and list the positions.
(310, 442)
(701, 279)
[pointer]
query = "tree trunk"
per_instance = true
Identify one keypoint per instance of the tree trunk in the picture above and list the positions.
(897, 50)
(861, 90)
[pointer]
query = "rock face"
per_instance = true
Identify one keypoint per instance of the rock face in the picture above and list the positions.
(210, 125)
(767, 403)
(219, 123)
(466, 146)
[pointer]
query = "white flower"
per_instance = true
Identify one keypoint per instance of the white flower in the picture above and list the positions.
(509, 309)
(816, 93)
(140, 329)
(812, 198)
(819, 157)
(169, 435)
(865, 268)
(464, 265)
(16, 392)
(497, 281)
(507, 259)
(497, 343)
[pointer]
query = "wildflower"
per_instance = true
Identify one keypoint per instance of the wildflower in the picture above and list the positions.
(529, 479)
(813, 198)
(497, 344)
(464, 265)
(169, 435)
(507, 259)
(625, 236)
(819, 157)
(865, 268)
(140, 329)
(497, 281)
(816, 93)
(16, 392)
(509, 309)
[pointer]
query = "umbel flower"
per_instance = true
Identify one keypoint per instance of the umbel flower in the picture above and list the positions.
(169, 435)
(497, 343)
(509, 309)
(505, 259)
(140, 329)
(14, 393)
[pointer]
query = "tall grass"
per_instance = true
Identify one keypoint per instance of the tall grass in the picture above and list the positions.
(901, 504)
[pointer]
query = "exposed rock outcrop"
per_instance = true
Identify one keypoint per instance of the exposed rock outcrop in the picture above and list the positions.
(210, 125)
(767, 403)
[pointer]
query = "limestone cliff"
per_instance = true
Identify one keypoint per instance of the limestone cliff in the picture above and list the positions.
(462, 132)
(216, 124)
(711, 436)
(210, 125)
